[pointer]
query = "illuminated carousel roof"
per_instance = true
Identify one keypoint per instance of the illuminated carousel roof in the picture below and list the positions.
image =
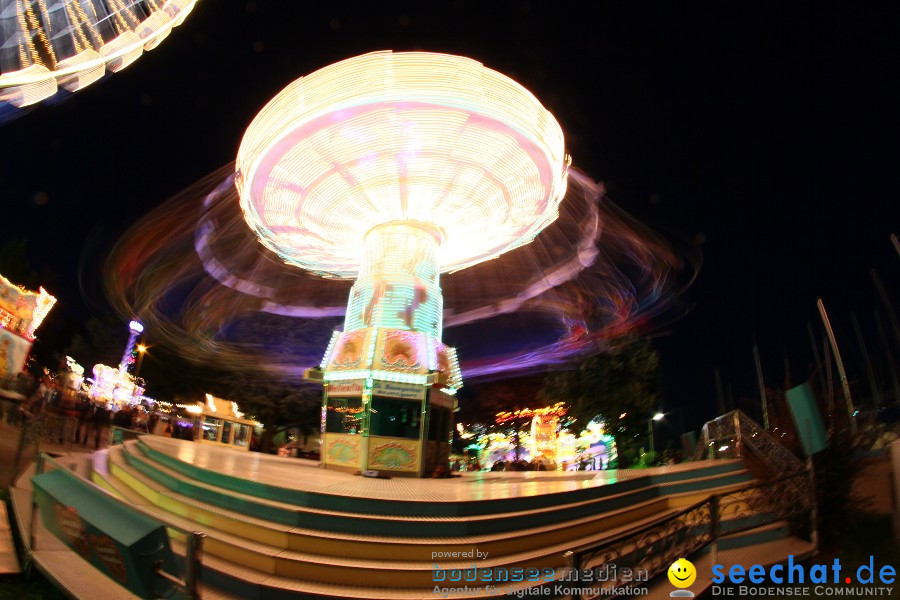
(411, 136)
(69, 44)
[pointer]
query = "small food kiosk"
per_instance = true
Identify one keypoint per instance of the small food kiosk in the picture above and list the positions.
(220, 422)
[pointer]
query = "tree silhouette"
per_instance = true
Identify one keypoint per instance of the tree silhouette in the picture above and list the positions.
(278, 405)
(14, 264)
(485, 400)
(620, 386)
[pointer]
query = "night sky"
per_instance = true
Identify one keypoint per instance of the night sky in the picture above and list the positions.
(766, 135)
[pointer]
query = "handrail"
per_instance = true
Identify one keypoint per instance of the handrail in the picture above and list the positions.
(688, 509)
(190, 583)
(744, 432)
(132, 434)
(656, 545)
(41, 426)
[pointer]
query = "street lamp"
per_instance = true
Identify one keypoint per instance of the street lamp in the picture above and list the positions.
(137, 368)
(658, 416)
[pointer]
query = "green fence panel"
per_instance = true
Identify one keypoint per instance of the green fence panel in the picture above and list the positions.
(807, 419)
(118, 540)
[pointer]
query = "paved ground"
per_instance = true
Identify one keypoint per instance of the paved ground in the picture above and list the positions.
(9, 560)
(9, 443)
(874, 485)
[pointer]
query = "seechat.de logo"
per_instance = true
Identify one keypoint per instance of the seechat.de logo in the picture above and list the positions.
(682, 574)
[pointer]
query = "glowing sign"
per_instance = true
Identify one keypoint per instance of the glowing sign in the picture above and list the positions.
(557, 410)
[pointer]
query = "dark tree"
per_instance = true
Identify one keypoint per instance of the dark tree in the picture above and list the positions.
(620, 386)
(104, 342)
(484, 400)
(14, 264)
(278, 405)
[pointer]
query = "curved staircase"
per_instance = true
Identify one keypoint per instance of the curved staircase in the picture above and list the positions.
(272, 541)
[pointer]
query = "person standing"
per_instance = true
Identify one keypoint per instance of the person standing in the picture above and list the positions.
(85, 415)
(36, 401)
(101, 425)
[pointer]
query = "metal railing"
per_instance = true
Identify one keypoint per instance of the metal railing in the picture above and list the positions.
(120, 435)
(193, 561)
(46, 427)
(649, 551)
(14, 383)
(734, 433)
(189, 584)
(10, 410)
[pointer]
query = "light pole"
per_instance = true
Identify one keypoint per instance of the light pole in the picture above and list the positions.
(137, 368)
(135, 329)
(656, 417)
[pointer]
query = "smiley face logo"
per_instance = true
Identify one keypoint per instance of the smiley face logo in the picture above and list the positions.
(682, 573)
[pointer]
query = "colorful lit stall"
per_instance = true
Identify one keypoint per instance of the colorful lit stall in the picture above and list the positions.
(222, 423)
(545, 438)
(117, 385)
(21, 313)
(74, 375)
(110, 385)
(547, 442)
(592, 449)
(405, 414)
(542, 440)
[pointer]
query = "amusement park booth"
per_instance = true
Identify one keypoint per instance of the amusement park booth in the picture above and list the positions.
(118, 386)
(402, 428)
(389, 382)
(222, 423)
(21, 312)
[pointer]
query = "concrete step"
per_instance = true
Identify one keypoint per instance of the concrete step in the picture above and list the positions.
(381, 573)
(410, 524)
(416, 548)
(203, 467)
(312, 565)
(248, 583)
(369, 546)
(235, 567)
(9, 558)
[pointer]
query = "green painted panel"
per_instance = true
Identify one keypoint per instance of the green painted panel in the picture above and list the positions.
(807, 418)
(121, 542)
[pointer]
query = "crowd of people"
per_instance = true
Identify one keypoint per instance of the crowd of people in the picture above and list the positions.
(537, 463)
(49, 396)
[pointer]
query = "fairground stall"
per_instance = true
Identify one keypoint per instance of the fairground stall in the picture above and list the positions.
(219, 421)
(117, 385)
(21, 313)
(536, 438)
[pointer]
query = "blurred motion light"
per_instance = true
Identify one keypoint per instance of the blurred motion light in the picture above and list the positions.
(400, 137)
(71, 43)
(392, 168)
